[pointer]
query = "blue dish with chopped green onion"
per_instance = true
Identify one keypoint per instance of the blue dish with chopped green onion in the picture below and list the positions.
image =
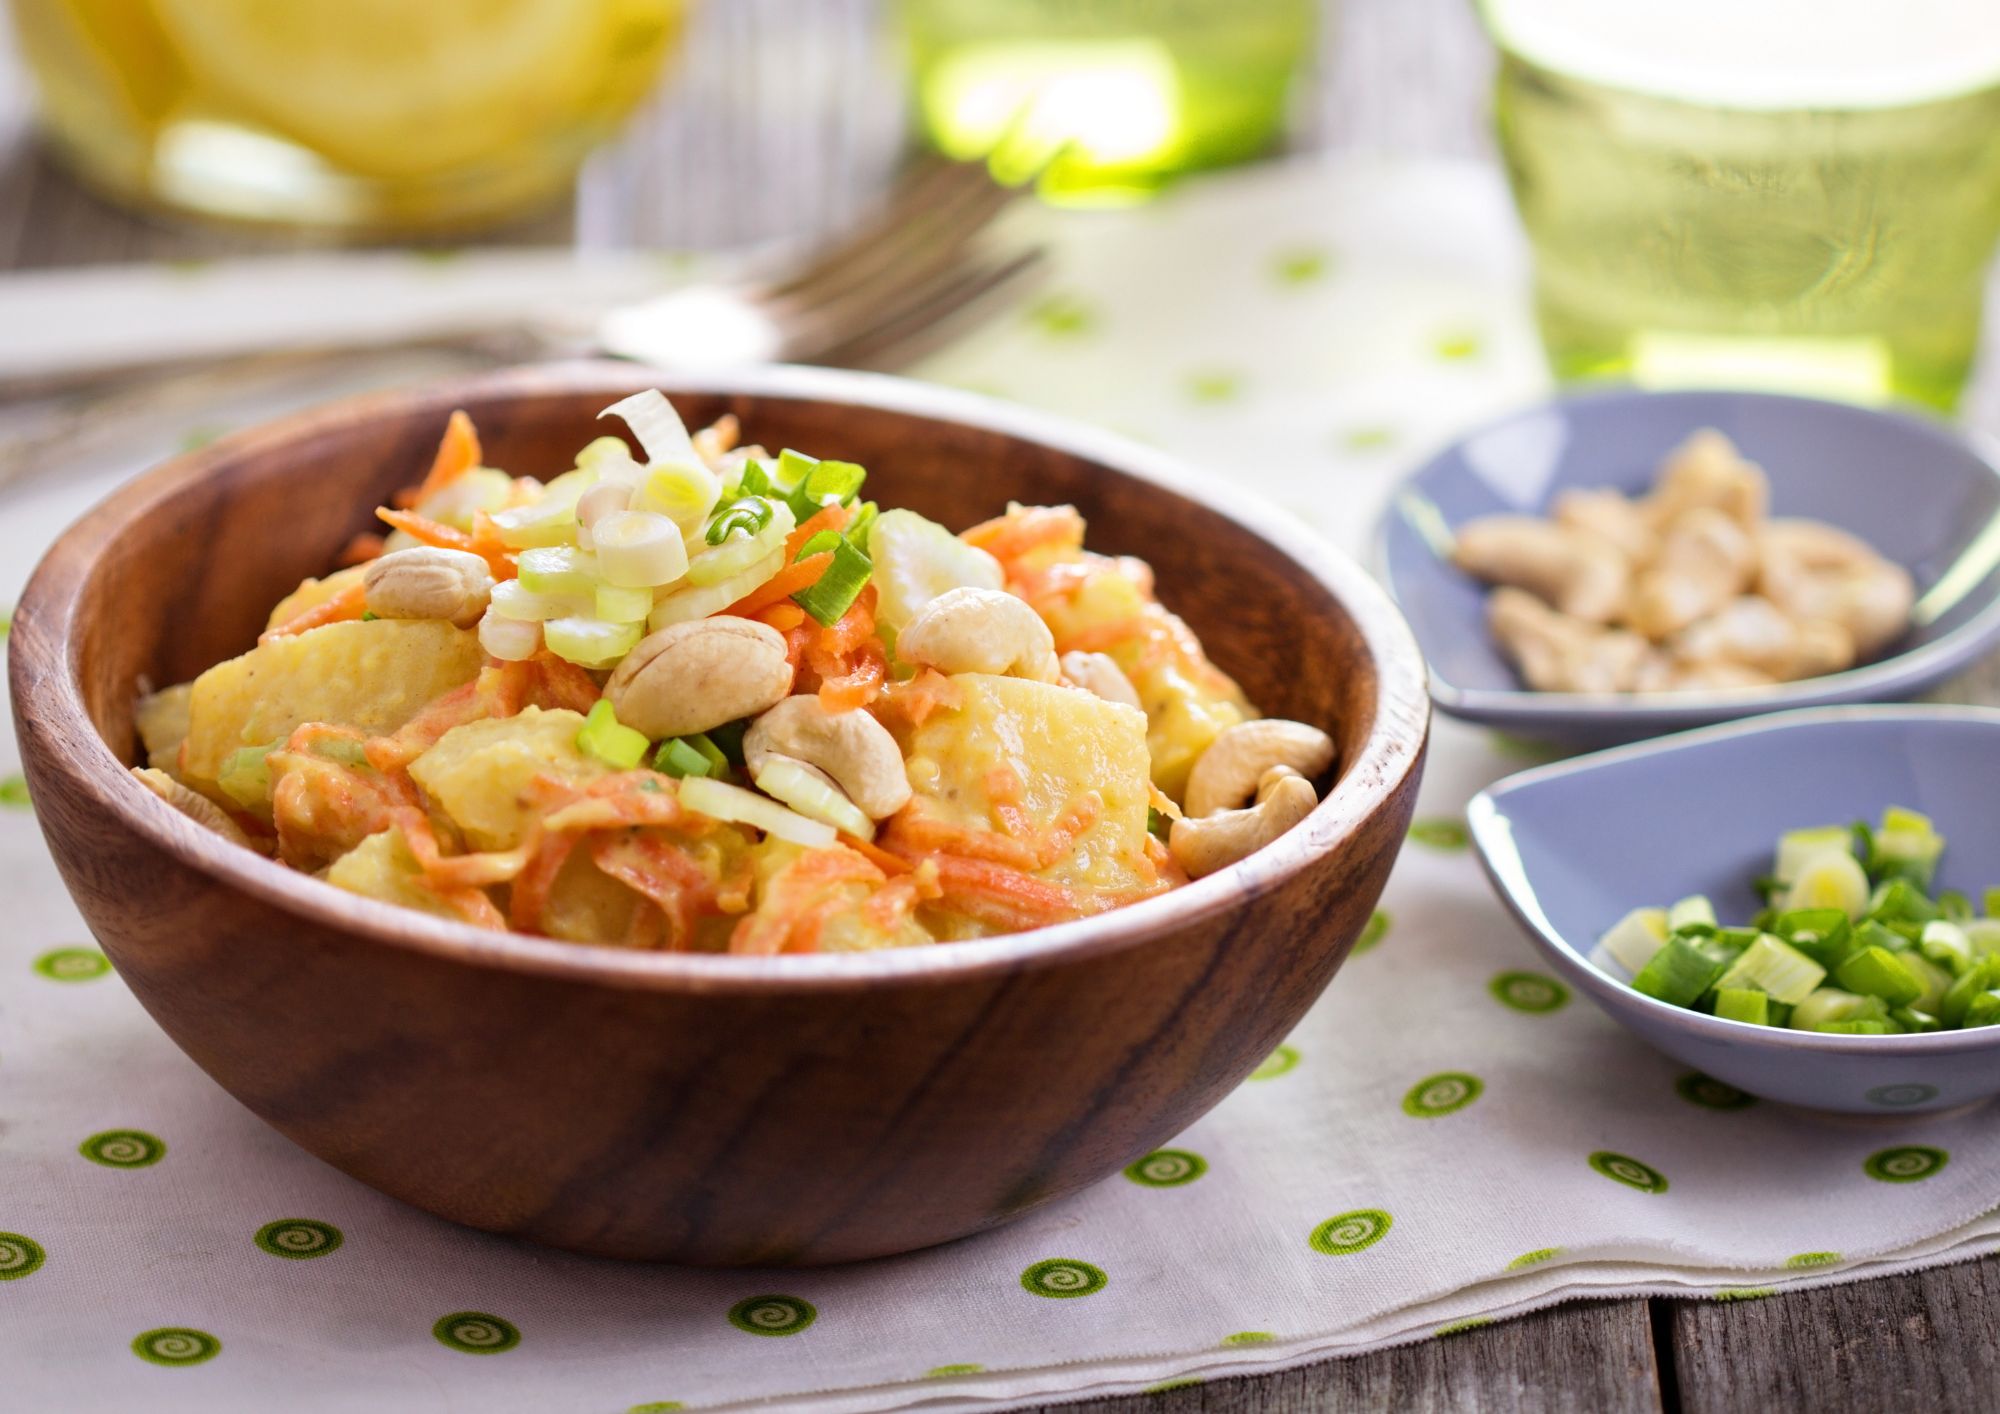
(1773, 902)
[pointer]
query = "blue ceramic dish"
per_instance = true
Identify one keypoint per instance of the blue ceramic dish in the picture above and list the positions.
(1912, 487)
(1573, 846)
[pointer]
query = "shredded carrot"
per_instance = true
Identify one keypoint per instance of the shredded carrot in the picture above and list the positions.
(825, 518)
(530, 898)
(851, 629)
(784, 616)
(1003, 897)
(1013, 535)
(487, 544)
(782, 585)
(656, 870)
(561, 683)
(891, 864)
(349, 603)
(361, 549)
(457, 454)
(445, 537)
(859, 686)
(922, 695)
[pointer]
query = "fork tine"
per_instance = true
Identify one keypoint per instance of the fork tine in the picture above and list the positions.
(929, 319)
(930, 182)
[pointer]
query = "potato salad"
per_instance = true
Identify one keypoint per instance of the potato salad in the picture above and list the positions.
(696, 696)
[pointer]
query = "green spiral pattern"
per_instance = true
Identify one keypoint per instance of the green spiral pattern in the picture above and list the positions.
(1167, 1168)
(1276, 1063)
(1445, 1093)
(1528, 991)
(1374, 932)
(475, 1333)
(1439, 833)
(1710, 1093)
(1534, 1258)
(123, 1149)
(772, 1315)
(298, 1238)
(945, 1372)
(175, 1345)
(20, 1256)
(1812, 1259)
(1344, 1234)
(1622, 1168)
(72, 964)
(1898, 1096)
(1063, 1277)
(1249, 1338)
(1908, 1163)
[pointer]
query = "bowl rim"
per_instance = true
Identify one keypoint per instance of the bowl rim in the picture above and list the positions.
(1492, 839)
(1908, 671)
(49, 704)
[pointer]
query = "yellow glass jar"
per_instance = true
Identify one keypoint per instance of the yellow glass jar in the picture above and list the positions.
(377, 116)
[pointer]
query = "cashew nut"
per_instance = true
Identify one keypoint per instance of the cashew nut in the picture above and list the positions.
(694, 676)
(1202, 846)
(1098, 674)
(1753, 632)
(1225, 775)
(1705, 560)
(969, 630)
(1816, 571)
(427, 582)
(1611, 517)
(1581, 574)
(851, 749)
(1707, 471)
(198, 808)
(1556, 653)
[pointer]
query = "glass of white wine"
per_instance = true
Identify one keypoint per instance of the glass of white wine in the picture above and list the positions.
(378, 116)
(1792, 194)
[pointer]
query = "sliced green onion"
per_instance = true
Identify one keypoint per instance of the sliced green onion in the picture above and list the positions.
(1898, 900)
(1797, 848)
(1984, 1010)
(1877, 972)
(609, 740)
(1954, 905)
(698, 601)
(343, 750)
(821, 484)
(818, 544)
(1745, 1004)
(1830, 879)
(861, 524)
(514, 600)
(683, 492)
(1980, 977)
(739, 553)
(1691, 911)
(746, 515)
(1679, 973)
(1935, 979)
(550, 520)
(835, 591)
(755, 479)
(1863, 1027)
(1634, 939)
(1831, 1004)
(680, 758)
(1946, 944)
(728, 739)
(590, 643)
(1775, 967)
(639, 550)
(1913, 1019)
(1984, 934)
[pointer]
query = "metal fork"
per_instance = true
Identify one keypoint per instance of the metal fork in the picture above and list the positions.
(907, 278)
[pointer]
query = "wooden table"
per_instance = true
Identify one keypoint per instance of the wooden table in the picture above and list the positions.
(783, 122)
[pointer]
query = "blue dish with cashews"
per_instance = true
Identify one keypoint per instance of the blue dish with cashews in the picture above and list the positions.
(1573, 847)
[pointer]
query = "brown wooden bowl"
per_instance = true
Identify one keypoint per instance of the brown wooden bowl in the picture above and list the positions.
(726, 1110)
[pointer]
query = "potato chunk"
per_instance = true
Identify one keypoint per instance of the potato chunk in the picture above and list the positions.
(382, 866)
(478, 774)
(373, 675)
(1016, 755)
(312, 593)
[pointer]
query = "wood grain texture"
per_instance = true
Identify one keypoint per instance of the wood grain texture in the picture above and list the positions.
(664, 1106)
(1921, 1341)
(1589, 1358)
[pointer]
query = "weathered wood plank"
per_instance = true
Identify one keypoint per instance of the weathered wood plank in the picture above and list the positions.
(1922, 1341)
(1588, 1358)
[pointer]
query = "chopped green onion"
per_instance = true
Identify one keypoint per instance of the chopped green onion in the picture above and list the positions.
(343, 750)
(677, 757)
(1797, 848)
(1984, 934)
(1745, 1004)
(818, 544)
(1775, 967)
(728, 739)
(1980, 977)
(1831, 1004)
(245, 776)
(609, 740)
(755, 480)
(1157, 825)
(744, 516)
(1695, 909)
(1900, 901)
(1877, 972)
(1634, 939)
(834, 592)
(639, 550)
(861, 523)
(1946, 944)
(590, 643)
(1955, 905)
(1679, 973)
(1984, 1010)
(820, 484)
(1857, 1028)
(369, 616)
(1831, 879)
(1912, 1019)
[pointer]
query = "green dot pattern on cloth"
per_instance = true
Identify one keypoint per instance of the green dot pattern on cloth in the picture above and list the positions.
(1167, 1168)
(772, 1315)
(72, 964)
(1812, 1259)
(1249, 1338)
(1215, 385)
(1276, 1063)
(175, 1345)
(1898, 1096)
(1062, 315)
(1439, 833)
(298, 1238)
(1300, 266)
(1528, 991)
(1367, 438)
(475, 1333)
(1621, 1168)
(1438, 1095)
(1374, 932)
(123, 1149)
(657, 1406)
(14, 792)
(1457, 347)
(1743, 1293)
(20, 1256)
(1344, 1234)
(1470, 1323)
(1710, 1093)
(1907, 1163)
(1063, 1277)
(945, 1372)
(1534, 1258)
(1184, 1382)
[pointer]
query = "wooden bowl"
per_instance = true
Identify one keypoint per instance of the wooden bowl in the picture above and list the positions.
(720, 1110)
